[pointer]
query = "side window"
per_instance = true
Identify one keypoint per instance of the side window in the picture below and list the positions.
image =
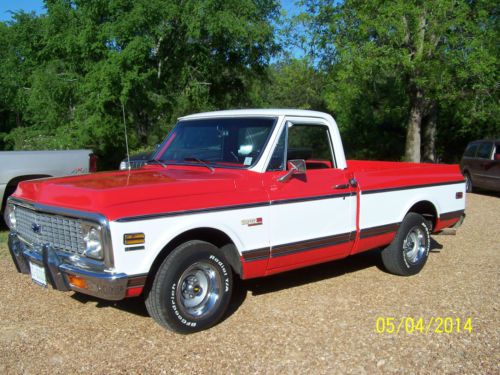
(307, 142)
(484, 151)
(497, 152)
(311, 143)
(470, 151)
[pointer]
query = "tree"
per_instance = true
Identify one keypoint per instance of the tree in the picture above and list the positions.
(433, 53)
(291, 83)
(85, 61)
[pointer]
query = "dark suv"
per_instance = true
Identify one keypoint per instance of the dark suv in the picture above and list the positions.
(481, 165)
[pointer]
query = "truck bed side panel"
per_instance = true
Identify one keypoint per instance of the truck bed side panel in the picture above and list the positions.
(388, 191)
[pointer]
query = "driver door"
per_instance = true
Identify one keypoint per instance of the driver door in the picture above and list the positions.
(312, 215)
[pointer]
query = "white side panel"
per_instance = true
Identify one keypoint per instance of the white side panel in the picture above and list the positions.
(314, 219)
(391, 207)
(159, 232)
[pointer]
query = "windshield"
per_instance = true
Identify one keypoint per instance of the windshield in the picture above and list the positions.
(220, 142)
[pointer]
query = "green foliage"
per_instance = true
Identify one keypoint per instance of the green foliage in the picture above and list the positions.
(387, 59)
(4, 252)
(67, 75)
(293, 83)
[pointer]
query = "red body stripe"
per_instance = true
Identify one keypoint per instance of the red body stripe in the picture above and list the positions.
(180, 188)
(256, 268)
(441, 224)
(369, 243)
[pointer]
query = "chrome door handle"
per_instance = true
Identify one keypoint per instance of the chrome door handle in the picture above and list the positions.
(341, 186)
(352, 183)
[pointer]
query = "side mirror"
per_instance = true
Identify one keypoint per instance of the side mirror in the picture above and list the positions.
(295, 167)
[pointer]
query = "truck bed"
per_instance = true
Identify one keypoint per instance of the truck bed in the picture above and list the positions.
(377, 175)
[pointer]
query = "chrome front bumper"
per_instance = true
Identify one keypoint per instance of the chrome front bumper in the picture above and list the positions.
(59, 266)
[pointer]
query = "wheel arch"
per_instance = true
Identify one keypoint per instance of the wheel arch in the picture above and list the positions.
(11, 185)
(214, 236)
(427, 209)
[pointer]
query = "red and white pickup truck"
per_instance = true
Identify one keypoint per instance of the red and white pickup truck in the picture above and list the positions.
(245, 193)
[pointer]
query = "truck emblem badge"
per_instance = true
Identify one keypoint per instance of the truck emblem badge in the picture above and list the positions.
(36, 228)
(252, 222)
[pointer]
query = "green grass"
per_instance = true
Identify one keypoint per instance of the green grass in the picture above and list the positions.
(4, 251)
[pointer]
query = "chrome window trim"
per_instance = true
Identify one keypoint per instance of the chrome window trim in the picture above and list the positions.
(90, 217)
(313, 121)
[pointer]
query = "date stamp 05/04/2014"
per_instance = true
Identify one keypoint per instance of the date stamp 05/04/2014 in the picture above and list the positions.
(414, 325)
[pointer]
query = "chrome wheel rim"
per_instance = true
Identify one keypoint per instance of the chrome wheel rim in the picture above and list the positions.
(415, 245)
(198, 290)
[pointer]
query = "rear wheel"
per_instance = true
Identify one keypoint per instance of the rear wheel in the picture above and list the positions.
(192, 288)
(408, 252)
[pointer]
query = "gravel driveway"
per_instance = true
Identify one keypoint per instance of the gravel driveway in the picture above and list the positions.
(318, 320)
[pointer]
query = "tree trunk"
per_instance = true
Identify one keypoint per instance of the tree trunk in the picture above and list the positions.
(413, 138)
(417, 103)
(430, 136)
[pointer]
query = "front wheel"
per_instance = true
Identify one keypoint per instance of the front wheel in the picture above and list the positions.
(192, 288)
(409, 250)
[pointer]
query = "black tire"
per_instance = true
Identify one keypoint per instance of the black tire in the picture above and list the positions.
(409, 250)
(195, 271)
(468, 183)
(8, 192)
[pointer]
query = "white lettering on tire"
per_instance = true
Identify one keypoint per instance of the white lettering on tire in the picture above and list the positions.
(224, 272)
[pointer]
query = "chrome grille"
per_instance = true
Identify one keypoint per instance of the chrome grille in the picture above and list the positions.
(60, 232)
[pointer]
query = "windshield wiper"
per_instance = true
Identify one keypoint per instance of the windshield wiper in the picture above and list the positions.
(157, 161)
(203, 162)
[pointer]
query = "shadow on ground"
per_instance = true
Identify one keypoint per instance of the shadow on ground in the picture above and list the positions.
(259, 286)
(313, 274)
(134, 306)
(282, 281)
(488, 193)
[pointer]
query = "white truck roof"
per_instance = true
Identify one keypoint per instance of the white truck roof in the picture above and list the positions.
(259, 112)
(282, 113)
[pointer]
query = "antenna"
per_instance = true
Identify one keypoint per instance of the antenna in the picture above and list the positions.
(126, 137)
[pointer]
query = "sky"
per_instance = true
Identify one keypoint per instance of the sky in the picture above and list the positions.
(16, 5)
(37, 6)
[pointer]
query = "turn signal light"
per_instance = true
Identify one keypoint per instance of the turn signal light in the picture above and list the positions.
(134, 238)
(77, 281)
(134, 291)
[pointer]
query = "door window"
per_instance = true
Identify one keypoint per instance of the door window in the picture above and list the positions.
(307, 142)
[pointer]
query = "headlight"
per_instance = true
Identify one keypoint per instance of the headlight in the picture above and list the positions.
(10, 216)
(123, 165)
(92, 238)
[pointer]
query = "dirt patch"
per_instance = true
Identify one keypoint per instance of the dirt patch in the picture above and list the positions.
(320, 319)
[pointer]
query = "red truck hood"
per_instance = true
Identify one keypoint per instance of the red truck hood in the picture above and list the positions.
(138, 192)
